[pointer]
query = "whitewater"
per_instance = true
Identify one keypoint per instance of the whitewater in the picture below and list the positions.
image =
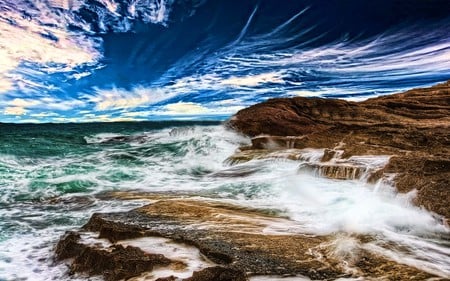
(53, 177)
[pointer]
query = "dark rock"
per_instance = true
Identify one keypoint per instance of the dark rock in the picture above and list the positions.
(69, 246)
(117, 262)
(218, 273)
(169, 278)
(112, 231)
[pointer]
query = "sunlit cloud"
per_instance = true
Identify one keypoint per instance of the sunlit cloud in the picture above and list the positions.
(187, 108)
(23, 102)
(16, 110)
(123, 99)
(6, 84)
(50, 45)
(28, 121)
(253, 80)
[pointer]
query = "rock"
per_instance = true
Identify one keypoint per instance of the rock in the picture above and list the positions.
(69, 246)
(170, 278)
(236, 238)
(218, 273)
(116, 263)
(328, 154)
(339, 172)
(413, 126)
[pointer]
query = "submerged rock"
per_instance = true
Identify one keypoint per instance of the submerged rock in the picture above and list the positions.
(413, 126)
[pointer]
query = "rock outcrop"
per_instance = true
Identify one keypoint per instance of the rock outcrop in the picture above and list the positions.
(413, 127)
(241, 242)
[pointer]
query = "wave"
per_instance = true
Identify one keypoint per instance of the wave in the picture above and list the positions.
(44, 195)
(136, 59)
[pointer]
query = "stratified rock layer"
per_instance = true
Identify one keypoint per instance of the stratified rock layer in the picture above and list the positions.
(413, 127)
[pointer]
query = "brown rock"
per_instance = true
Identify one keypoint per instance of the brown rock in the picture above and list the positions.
(69, 246)
(414, 126)
(328, 154)
(236, 238)
(218, 273)
(114, 263)
(117, 263)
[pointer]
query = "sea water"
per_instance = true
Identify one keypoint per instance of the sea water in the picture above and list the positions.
(53, 176)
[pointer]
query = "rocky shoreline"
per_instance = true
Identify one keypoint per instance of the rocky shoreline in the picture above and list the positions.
(413, 128)
(181, 237)
(235, 243)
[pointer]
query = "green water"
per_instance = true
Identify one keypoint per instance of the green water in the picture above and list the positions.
(54, 177)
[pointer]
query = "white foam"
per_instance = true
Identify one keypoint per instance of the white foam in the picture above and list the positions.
(188, 255)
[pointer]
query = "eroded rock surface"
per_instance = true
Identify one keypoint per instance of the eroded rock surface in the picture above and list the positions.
(242, 242)
(413, 127)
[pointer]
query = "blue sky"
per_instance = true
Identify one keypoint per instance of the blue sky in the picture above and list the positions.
(58, 63)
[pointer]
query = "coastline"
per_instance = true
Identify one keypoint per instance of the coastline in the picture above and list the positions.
(409, 129)
(412, 128)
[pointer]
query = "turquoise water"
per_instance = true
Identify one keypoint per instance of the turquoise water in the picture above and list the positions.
(53, 177)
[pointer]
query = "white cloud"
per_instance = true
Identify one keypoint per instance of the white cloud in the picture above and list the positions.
(17, 110)
(23, 102)
(122, 99)
(44, 114)
(46, 103)
(187, 108)
(28, 121)
(6, 84)
(253, 80)
(23, 41)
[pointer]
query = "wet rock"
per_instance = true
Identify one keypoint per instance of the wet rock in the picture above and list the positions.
(69, 246)
(413, 126)
(114, 263)
(113, 231)
(218, 273)
(238, 239)
(117, 262)
(335, 171)
(169, 278)
(328, 154)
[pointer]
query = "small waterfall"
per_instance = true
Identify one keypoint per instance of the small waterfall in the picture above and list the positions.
(365, 168)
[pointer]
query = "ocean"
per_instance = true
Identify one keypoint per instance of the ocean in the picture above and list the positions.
(54, 176)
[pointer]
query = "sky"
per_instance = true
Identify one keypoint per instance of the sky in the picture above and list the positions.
(110, 60)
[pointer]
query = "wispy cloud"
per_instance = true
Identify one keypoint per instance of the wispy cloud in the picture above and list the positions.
(112, 99)
(187, 108)
(30, 40)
